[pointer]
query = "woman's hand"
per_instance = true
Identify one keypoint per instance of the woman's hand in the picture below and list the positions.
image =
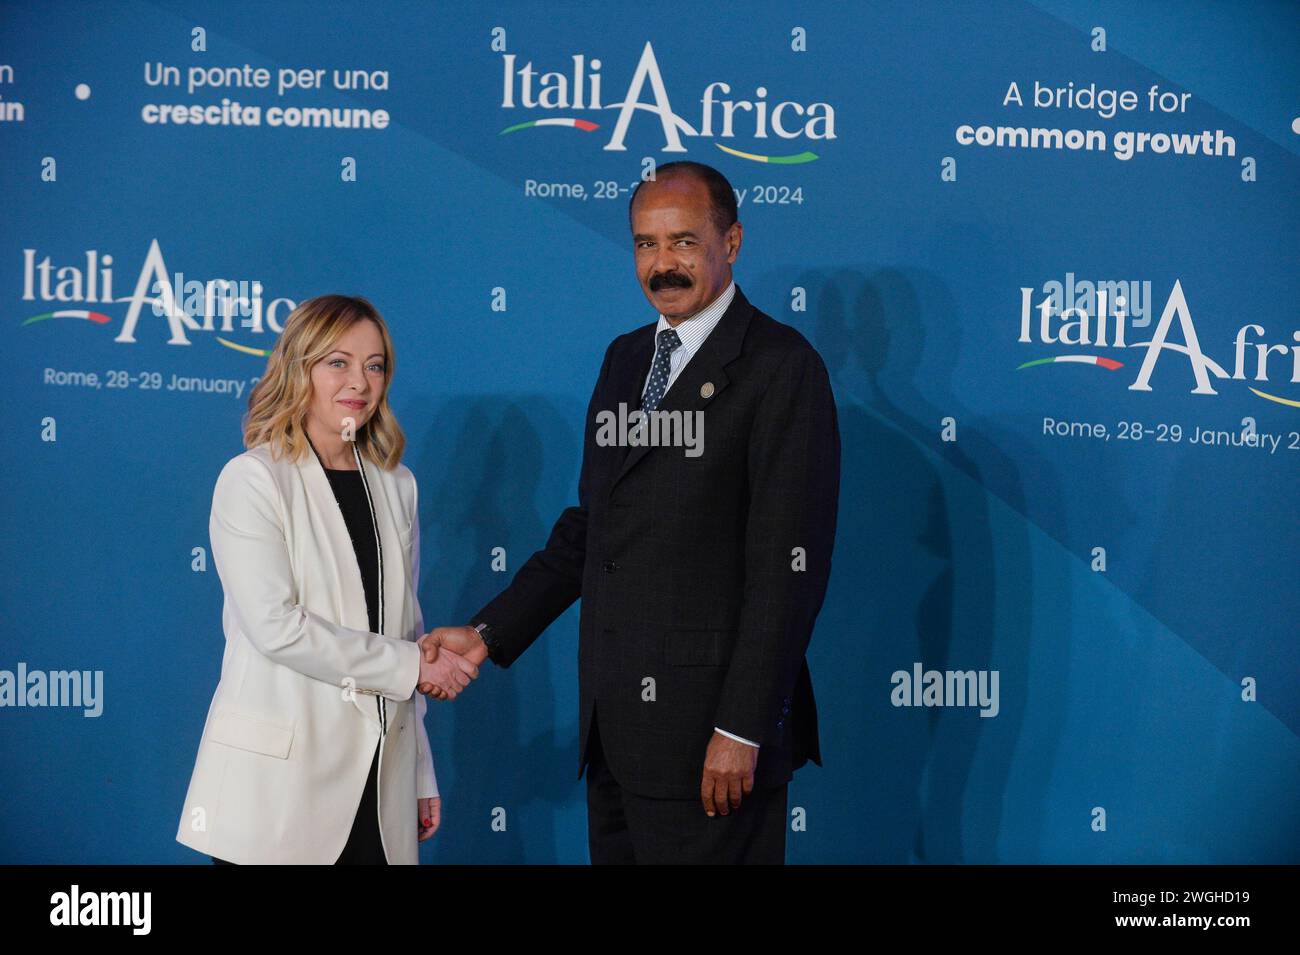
(446, 675)
(430, 815)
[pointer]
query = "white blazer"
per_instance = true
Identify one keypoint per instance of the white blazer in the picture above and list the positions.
(306, 689)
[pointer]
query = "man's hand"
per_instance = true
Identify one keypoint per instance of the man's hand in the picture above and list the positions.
(728, 771)
(443, 675)
(465, 641)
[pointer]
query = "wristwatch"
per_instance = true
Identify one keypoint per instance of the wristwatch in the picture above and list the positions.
(485, 632)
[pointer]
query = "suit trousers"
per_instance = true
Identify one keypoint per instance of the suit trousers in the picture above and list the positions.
(624, 828)
(364, 846)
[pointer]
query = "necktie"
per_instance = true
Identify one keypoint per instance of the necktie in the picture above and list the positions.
(654, 392)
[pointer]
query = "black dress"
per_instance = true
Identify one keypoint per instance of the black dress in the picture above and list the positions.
(364, 846)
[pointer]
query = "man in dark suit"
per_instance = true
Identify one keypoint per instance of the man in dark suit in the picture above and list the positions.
(701, 574)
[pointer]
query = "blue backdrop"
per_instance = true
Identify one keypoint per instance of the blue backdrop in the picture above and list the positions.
(1110, 528)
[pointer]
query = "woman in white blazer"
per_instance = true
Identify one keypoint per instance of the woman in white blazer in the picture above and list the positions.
(315, 749)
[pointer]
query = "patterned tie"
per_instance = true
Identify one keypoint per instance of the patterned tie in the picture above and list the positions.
(654, 392)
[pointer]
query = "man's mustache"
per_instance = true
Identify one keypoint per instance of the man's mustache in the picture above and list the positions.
(669, 280)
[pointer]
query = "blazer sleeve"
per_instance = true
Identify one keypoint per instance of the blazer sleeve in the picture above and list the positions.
(252, 559)
(794, 479)
(551, 579)
(426, 782)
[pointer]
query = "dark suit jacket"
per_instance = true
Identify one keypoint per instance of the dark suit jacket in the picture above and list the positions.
(686, 566)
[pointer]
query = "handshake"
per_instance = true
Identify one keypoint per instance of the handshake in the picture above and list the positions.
(449, 659)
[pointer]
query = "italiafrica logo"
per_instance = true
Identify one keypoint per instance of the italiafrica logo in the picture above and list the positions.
(1082, 324)
(220, 306)
(580, 89)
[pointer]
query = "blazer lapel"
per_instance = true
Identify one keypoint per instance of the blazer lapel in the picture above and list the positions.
(327, 520)
(705, 367)
(632, 371)
(393, 568)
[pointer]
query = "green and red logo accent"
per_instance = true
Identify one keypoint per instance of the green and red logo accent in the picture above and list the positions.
(1109, 364)
(99, 318)
(588, 127)
(585, 125)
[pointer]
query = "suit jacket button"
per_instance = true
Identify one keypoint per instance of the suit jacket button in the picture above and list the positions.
(780, 724)
(609, 567)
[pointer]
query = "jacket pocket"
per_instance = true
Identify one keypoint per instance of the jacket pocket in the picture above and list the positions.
(247, 733)
(699, 648)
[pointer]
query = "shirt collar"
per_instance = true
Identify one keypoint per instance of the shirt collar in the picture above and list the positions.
(693, 330)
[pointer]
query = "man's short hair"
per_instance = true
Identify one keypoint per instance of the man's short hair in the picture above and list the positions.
(722, 198)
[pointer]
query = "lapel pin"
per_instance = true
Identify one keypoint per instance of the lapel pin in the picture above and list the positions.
(706, 390)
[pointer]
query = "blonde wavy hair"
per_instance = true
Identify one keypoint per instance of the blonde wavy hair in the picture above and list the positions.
(278, 403)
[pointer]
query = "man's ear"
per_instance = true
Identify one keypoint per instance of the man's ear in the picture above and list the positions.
(735, 235)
